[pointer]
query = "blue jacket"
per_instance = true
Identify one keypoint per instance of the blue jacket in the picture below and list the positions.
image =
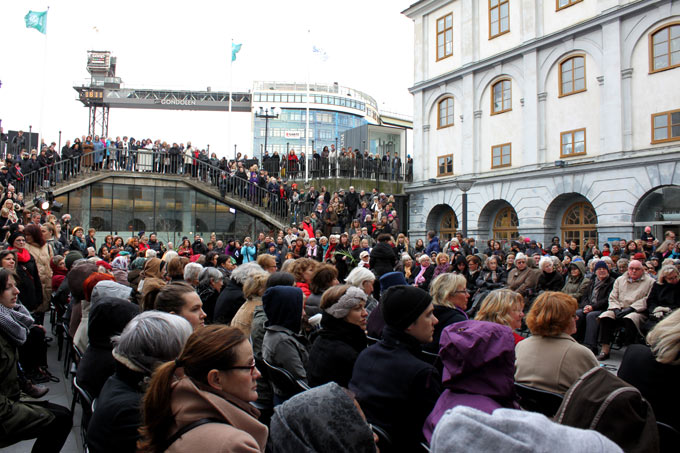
(249, 253)
(433, 246)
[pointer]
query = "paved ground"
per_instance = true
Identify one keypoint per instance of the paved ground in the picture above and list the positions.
(60, 393)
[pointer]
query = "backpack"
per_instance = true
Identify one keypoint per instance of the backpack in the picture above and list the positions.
(601, 401)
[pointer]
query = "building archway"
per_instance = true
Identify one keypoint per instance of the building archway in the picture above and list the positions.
(660, 209)
(579, 224)
(443, 220)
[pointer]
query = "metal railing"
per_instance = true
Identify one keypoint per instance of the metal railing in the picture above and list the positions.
(352, 168)
(155, 162)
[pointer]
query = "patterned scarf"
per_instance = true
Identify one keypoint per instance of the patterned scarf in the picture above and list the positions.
(15, 323)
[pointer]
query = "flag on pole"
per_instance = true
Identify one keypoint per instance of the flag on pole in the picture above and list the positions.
(235, 48)
(320, 53)
(37, 20)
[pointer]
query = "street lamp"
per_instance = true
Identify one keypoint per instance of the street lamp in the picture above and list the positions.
(267, 114)
(464, 185)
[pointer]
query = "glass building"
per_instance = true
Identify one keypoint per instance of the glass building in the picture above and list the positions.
(172, 209)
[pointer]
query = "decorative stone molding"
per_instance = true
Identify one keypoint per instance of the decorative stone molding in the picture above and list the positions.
(542, 96)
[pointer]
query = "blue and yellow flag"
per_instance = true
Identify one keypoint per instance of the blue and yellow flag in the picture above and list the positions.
(234, 50)
(37, 20)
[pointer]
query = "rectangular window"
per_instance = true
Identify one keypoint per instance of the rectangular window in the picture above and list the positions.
(666, 126)
(561, 4)
(445, 36)
(445, 165)
(501, 155)
(573, 143)
(499, 17)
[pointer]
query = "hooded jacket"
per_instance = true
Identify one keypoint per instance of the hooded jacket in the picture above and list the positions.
(281, 346)
(479, 366)
(576, 286)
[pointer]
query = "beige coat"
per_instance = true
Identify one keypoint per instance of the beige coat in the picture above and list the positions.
(42, 256)
(521, 281)
(241, 432)
(243, 319)
(633, 294)
(552, 363)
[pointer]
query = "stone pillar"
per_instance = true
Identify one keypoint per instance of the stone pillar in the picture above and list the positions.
(477, 140)
(610, 92)
(530, 113)
(542, 145)
(627, 109)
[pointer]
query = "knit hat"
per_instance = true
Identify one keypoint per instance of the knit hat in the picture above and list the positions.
(352, 297)
(13, 237)
(401, 305)
(391, 279)
(72, 257)
(639, 256)
(600, 265)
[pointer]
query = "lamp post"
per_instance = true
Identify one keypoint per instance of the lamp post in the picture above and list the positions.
(267, 114)
(464, 185)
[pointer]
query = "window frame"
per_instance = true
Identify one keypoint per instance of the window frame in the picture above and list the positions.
(493, 86)
(443, 33)
(439, 111)
(585, 77)
(502, 165)
(446, 172)
(498, 6)
(651, 48)
(669, 127)
(573, 142)
(571, 3)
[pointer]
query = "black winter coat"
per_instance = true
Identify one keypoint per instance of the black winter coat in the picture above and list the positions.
(396, 390)
(446, 316)
(29, 284)
(230, 300)
(383, 259)
(114, 425)
(334, 352)
(550, 282)
(602, 301)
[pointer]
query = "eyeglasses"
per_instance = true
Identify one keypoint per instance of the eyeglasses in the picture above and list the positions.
(462, 291)
(251, 367)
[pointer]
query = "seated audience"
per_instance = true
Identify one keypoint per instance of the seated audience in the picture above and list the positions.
(207, 389)
(505, 307)
(181, 299)
(550, 279)
(593, 302)
(253, 291)
(341, 338)
(577, 280)
(210, 283)
(148, 340)
(325, 276)
(362, 278)
(551, 359)
(479, 364)
(450, 298)
(523, 279)
(422, 274)
(664, 297)
(323, 419)
(395, 388)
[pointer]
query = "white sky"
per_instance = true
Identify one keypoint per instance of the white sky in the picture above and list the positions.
(187, 45)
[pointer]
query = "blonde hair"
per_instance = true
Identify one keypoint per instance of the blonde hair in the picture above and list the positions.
(445, 284)
(665, 339)
(665, 271)
(497, 305)
(255, 285)
(441, 255)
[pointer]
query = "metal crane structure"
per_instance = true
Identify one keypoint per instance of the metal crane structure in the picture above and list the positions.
(104, 90)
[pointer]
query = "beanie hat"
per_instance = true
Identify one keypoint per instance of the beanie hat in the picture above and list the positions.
(401, 305)
(72, 257)
(13, 237)
(391, 279)
(352, 297)
(639, 256)
(600, 265)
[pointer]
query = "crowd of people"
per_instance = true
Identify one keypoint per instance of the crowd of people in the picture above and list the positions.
(412, 339)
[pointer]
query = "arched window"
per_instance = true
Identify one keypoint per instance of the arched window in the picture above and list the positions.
(505, 225)
(501, 96)
(448, 226)
(579, 224)
(445, 113)
(573, 75)
(664, 48)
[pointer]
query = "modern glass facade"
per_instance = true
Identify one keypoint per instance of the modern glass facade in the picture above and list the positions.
(288, 131)
(124, 207)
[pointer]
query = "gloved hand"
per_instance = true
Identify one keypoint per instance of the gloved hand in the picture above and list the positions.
(624, 312)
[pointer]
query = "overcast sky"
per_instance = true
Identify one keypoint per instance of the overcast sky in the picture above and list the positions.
(186, 45)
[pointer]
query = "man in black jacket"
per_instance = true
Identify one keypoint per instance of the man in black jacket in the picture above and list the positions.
(594, 301)
(352, 201)
(396, 389)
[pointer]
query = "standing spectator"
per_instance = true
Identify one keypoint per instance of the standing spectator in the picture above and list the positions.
(432, 244)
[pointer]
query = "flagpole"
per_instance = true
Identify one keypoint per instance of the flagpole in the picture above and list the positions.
(42, 97)
(231, 80)
(307, 115)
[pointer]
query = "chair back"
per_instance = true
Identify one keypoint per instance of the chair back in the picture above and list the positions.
(537, 400)
(87, 407)
(283, 381)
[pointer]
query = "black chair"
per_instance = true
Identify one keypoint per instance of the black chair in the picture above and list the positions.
(537, 400)
(283, 380)
(384, 439)
(87, 406)
(669, 437)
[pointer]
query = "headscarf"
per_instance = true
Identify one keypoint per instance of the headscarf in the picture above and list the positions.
(152, 268)
(321, 419)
